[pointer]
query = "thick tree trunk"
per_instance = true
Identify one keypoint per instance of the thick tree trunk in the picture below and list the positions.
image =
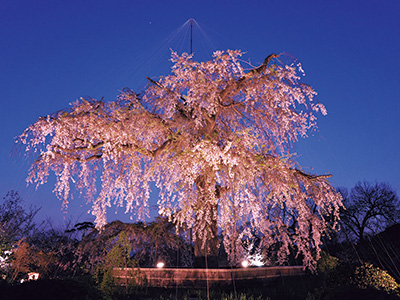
(207, 256)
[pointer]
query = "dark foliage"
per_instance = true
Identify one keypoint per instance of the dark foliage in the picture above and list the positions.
(150, 243)
(68, 289)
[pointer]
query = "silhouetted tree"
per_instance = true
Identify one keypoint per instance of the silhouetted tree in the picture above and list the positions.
(16, 221)
(148, 243)
(62, 244)
(370, 208)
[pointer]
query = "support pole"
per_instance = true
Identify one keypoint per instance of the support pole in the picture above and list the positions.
(191, 35)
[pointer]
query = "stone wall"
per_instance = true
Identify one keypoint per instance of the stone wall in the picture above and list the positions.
(200, 277)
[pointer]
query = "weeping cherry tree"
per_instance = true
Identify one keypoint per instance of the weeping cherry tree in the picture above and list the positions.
(215, 139)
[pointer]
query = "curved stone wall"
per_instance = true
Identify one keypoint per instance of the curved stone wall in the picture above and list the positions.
(200, 277)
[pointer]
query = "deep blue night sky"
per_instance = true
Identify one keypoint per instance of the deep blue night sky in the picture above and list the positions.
(53, 52)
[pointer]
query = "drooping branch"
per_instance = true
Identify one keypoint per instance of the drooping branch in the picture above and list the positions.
(236, 84)
(312, 177)
(180, 108)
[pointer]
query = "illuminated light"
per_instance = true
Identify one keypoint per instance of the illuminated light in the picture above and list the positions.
(33, 276)
(245, 264)
(160, 265)
(257, 263)
(256, 260)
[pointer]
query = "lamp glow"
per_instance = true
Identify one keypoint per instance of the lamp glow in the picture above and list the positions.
(245, 264)
(160, 265)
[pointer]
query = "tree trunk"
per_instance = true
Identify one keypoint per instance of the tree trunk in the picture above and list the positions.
(207, 256)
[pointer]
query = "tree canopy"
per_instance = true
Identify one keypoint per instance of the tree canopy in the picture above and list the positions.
(213, 136)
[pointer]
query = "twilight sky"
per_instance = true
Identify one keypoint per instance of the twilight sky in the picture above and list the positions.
(53, 52)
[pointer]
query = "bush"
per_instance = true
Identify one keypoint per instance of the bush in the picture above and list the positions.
(368, 276)
(327, 263)
(51, 289)
(345, 281)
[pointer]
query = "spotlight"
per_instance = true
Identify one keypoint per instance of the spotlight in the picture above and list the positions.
(160, 265)
(245, 264)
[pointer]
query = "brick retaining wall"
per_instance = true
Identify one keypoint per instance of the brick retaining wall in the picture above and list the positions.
(199, 277)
